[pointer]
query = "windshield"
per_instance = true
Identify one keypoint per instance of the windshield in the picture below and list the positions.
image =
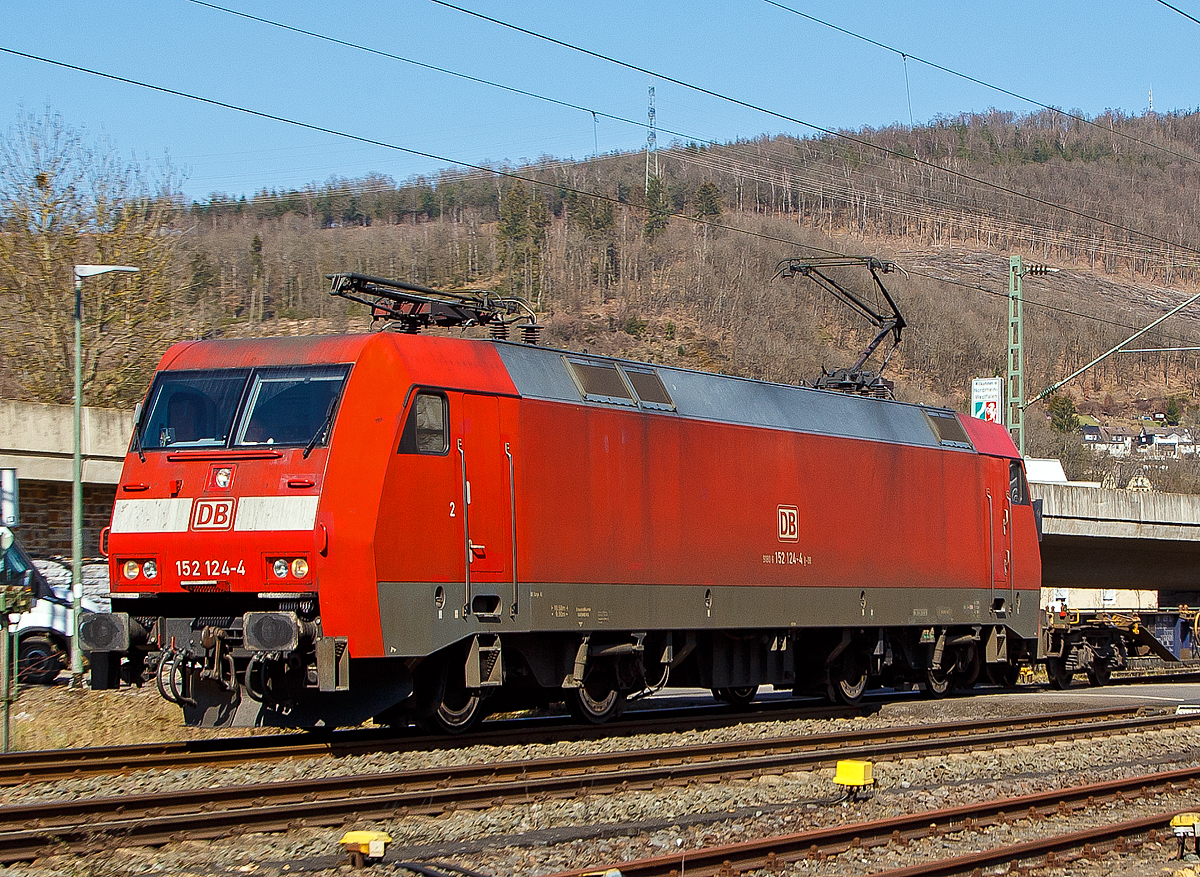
(241, 407)
(290, 407)
(193, 409)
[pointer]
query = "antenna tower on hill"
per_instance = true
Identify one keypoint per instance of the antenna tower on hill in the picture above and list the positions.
(651, 145)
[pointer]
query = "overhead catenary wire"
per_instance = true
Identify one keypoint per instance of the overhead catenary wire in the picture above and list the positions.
(1115, 247)
(475, 167)
(323, 129)
(904, 54)
(823, 130)
(1180, 11)
(1027, 302)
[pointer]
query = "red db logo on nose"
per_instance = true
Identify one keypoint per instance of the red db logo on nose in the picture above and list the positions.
(212, 514)
(789, 523)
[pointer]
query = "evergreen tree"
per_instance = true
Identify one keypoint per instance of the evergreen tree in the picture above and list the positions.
(523, 222)
(1063, 415)
(657, 210)
(708, 202)
(1174, 412)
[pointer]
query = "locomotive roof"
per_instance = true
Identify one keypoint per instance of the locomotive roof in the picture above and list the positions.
(544, 373)
(554, 374)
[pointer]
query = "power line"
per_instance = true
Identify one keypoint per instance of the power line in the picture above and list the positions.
(827, 131)
(1180, 11)
(309, 126)
(595, 113)
(486, 170)
(478, 80)
(967, 77)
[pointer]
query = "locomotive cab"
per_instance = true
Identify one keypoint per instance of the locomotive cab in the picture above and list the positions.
(214, 545)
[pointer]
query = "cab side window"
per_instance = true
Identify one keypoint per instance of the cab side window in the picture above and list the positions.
(1018, 488)
(427, 429)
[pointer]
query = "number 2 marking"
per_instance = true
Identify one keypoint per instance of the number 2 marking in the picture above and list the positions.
(452, 510)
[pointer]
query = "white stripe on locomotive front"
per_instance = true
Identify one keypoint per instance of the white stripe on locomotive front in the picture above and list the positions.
(253, 513)
(151, 515)
(276, 513)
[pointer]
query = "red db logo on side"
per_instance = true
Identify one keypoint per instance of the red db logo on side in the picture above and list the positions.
(789, 523)
(212, 514)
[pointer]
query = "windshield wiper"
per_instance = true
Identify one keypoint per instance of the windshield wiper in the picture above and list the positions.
(312, 442)
(137, 442)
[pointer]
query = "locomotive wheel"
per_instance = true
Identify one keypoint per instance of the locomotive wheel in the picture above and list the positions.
(1059, 675)
(595, 703)
(460, 710)
(1098, 674)
(967, 677)
(846, 685)
(937, 682)
(739, 696)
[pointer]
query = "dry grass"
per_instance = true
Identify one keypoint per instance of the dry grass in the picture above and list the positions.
(57, 717)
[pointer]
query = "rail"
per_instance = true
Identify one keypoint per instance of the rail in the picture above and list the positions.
(28, 831)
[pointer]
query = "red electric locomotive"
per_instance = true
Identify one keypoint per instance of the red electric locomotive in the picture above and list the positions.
(325, 530)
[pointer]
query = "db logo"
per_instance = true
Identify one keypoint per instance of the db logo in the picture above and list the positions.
(789, 523)
(212, 514)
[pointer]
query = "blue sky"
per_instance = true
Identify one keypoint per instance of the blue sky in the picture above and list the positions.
(1081, 56)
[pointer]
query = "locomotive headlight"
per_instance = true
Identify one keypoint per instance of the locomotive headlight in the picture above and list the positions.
(299, 567)
(131, 569)
(150, 569)
(280, 568)
(222, 477)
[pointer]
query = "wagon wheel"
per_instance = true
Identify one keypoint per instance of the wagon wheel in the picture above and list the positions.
(1060, 676)
(595, 702)
(1098, 673)
(738, 696)
(1005, 674)
(937, 682)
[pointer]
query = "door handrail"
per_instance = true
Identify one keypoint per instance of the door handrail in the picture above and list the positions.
(466, 495)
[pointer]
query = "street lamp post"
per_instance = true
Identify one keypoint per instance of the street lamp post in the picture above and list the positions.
(81, 271)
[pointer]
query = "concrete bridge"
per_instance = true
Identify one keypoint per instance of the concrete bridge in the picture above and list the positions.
(39, 442)
(1120, 539)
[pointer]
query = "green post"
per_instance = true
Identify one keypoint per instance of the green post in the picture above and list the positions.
(5, 670)
(1015, 419)
(77, 495)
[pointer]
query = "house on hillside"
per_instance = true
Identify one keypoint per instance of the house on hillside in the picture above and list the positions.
(1165, 441)
(1116, 441)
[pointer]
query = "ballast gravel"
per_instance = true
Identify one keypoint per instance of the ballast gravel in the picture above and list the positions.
(601, 830)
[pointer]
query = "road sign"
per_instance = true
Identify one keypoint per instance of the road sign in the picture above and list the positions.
(985, 399)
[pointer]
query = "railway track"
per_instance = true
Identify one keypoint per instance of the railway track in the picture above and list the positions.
(29, 831)
(56, 764)
(774, 853)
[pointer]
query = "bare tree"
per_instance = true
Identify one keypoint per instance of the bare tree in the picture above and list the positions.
(66, 199)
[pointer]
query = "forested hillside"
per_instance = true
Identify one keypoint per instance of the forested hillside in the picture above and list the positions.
(680, 270)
